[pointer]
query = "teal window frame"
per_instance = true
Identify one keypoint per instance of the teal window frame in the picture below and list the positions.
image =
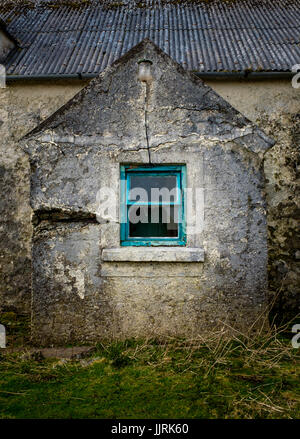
(126, 171)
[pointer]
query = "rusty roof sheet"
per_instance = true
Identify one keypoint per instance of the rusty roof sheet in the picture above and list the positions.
(65, 37)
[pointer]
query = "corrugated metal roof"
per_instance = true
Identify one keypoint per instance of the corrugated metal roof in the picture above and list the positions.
(59, 38)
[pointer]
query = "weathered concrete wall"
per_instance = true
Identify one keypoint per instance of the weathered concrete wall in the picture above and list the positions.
(273, 105)
(22, 107)
(79, 150)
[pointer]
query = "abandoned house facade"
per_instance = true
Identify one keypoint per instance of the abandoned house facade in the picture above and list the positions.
(197, 98)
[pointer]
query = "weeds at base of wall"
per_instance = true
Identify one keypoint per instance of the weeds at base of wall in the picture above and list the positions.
(267, 323)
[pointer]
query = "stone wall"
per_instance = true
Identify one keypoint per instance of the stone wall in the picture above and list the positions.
(80, 295)
(273, 105)
(22, 107)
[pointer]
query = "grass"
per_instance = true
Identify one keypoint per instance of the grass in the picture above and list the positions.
(241, 377)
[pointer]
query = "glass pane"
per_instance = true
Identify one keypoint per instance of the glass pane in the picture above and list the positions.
(153, 188)
(153, 221)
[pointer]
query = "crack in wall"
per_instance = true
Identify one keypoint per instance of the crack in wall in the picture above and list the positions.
(147, 93)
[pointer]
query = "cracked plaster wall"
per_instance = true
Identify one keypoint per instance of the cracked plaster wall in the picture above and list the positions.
(80, 148)
(273, 105)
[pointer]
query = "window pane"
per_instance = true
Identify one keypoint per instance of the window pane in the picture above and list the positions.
(141, 185)
(153, 221)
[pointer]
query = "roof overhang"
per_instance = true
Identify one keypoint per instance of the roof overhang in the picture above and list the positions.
(246, 76)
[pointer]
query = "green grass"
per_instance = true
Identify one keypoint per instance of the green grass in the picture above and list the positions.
(215, 378)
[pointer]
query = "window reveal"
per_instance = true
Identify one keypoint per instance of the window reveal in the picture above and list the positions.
(152, 205)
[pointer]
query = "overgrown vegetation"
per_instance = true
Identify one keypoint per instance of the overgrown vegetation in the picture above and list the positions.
(17, 328)
(240, 377)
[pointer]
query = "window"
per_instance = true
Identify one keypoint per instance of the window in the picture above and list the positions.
(152, 205)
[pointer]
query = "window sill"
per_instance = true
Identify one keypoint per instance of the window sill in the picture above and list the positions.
(153, 254)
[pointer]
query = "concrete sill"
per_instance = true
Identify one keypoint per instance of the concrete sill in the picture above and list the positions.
(153, 254)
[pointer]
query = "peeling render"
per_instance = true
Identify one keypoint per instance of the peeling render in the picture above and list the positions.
(273, 105)
(85, 286)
